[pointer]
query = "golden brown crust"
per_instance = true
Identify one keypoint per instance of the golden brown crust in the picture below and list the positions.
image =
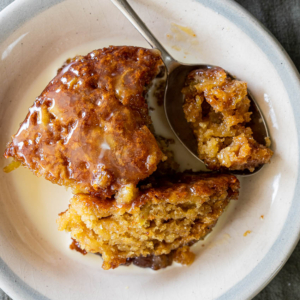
(88, 128)
(217, 108)
(183, 185)
(174, 189)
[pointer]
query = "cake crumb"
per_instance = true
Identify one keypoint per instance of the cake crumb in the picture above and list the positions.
(247, 232)
(12, 166)
(184, 256)
(268, 142)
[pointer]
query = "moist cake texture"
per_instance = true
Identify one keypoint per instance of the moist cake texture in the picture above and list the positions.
(217, 107)
(90, 130)
(89, 127)
(165, 216)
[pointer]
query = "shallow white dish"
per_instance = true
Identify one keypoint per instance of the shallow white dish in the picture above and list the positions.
(36, 263)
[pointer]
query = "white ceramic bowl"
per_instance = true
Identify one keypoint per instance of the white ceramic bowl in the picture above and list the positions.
(36, 37)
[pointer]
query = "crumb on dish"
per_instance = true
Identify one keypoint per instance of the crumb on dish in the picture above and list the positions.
(247, 232)
(89, 128)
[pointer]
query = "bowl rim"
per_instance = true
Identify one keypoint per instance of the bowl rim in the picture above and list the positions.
(289, 235)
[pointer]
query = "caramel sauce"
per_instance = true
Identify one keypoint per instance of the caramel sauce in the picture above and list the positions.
(88, 128)
(75, 246)
(155, 262)
(182, 256)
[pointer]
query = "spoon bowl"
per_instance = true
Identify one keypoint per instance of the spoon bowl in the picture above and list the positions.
(173, 100)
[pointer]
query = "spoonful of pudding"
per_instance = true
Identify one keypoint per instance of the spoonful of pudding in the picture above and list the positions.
(210, 112)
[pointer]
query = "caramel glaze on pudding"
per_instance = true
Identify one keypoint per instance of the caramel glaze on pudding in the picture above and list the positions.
(217, 108)
(89, 128)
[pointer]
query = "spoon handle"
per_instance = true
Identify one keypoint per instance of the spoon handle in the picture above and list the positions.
(135, 20)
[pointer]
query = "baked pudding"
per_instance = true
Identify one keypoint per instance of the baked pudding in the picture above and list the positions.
(217, 107)
(89, 128)
(166, 215)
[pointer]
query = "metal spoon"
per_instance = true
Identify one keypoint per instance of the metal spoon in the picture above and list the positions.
(176, 75)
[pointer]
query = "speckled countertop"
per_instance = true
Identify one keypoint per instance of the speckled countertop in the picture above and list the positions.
(282, 18)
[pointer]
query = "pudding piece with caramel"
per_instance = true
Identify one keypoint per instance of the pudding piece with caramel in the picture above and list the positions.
(217, 107)
(164, 218)
(89, 128)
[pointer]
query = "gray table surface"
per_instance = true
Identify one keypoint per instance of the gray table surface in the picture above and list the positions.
(282, 18)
